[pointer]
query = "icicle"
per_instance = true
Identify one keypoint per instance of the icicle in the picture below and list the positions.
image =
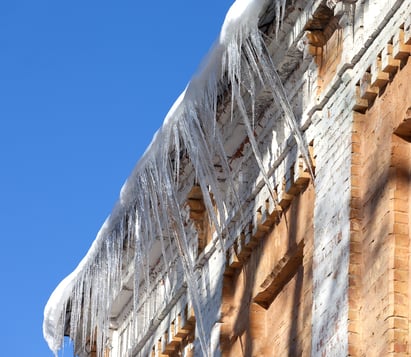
(181, 240)
(235, 65)
(272, 77)
(86, 309)
(254, 146)
(150, 207)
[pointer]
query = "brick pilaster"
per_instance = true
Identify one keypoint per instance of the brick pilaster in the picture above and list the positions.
(355, 266)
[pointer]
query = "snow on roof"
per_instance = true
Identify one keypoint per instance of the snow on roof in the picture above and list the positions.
(180, 128)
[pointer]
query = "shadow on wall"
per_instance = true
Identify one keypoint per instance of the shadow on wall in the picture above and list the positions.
(267, 301)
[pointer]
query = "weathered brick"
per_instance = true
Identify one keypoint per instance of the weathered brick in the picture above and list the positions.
(395, 322)
(401, 217)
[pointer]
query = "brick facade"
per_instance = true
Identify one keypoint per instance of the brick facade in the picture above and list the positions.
(312, 266)
(267, 295)
(380, 250)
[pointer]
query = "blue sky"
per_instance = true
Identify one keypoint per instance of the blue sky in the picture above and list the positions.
(83, 87)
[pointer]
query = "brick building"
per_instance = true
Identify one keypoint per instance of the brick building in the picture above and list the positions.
(285, 227)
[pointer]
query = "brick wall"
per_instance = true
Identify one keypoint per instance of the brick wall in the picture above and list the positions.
(267, 299)
(379, 265)
(327, 272)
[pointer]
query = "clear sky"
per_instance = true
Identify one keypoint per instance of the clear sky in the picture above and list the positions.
(84, 85)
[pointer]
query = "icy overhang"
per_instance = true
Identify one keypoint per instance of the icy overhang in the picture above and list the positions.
(238, 62)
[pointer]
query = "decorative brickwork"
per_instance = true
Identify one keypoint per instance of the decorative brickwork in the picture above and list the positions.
(389, 61)
(325, 41)
(267, 294)
(200, 218)
(379, 281)
(177, 340)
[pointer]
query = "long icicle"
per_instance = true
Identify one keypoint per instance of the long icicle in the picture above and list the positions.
(152, 202)
(274, 80)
